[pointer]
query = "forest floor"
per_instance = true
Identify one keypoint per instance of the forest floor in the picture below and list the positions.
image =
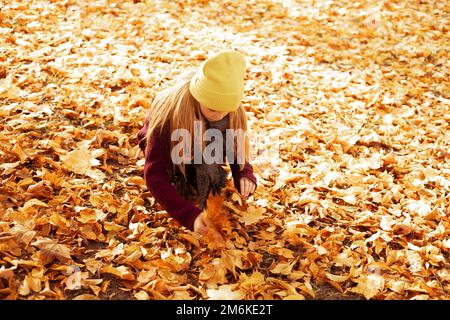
(348, 110)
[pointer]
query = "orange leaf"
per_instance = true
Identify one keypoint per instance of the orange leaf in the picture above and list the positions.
(121, 272)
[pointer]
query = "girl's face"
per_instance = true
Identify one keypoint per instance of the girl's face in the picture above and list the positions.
(212, 115)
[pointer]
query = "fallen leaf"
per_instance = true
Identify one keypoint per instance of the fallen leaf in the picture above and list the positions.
(86, 297)
(369, 285)
(51, 248)
(122, 272)
(225, 292)
(142, 295)
(252, 215)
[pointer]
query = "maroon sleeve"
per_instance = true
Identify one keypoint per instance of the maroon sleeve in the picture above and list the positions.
(157, 163)
(246, 172)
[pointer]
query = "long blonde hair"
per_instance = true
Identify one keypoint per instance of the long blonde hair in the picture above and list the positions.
(175, 108)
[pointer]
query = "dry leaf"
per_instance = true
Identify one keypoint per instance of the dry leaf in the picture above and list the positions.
(121, 272)
(51, 248)
(252, 215)
(369, 285)
(8, 89)
(225, 292)
(85, 297)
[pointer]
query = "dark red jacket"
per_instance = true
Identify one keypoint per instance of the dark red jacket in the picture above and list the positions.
(156, 176)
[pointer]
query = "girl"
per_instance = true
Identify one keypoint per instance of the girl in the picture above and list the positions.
(212, 96)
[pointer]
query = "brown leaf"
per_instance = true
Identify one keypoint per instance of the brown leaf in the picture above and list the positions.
(51, 248)
(122, 272)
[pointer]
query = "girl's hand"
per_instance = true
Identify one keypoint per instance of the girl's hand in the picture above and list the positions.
(201, 223)
(206, 228)
(247, 186)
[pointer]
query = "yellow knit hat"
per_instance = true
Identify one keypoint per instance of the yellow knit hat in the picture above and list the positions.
(219, 83)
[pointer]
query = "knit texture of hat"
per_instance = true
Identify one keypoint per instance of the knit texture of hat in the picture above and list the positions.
(219, 82)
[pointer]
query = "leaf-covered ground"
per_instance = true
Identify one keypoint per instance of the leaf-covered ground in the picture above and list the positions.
(353, 198)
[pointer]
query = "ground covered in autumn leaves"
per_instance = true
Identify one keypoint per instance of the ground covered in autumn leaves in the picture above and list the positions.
(348, 104)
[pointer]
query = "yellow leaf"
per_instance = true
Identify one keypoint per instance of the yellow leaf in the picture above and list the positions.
(142, 295)
(207, 273)
(24, 288)
(35, 284)
(225, 292)
(294, 297)
(397, 286)
(444, 275)
(121, 272)
(8, 89)
(415, 261)
(386, 223)
(33, 202)
(351, 199)
(283, 268)
(365, 164)
(309, 196)
(191, 239)
(95, 289)
(91, 216)
(281, 252)
(96, 174)
(135, 180)
(336, 278)
(252, 215)
(421, 207)
(256, 279)
(85, 297)
(92, 265)
(88, 232)
(78, 160)
(214, 273)
(369, 286)
(111, 226)
(51, 247)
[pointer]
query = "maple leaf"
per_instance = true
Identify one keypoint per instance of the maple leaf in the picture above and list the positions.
(90, 215)
(284, 267)
(31, 203)
(415, 261)
(50, 247)
(142, 295)
(256, 279)
(252, 215)
(366, 164)
(369, 285)
(420, 207)
(218, 222)
(78, 160)
(336, 278)
(225, 292)
(81, 161)
(121, 272)
(24, 232)
(191, 239)
(214, 273)
(8, 89)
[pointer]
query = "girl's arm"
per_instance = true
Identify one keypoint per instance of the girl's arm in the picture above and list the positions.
(157, 162)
